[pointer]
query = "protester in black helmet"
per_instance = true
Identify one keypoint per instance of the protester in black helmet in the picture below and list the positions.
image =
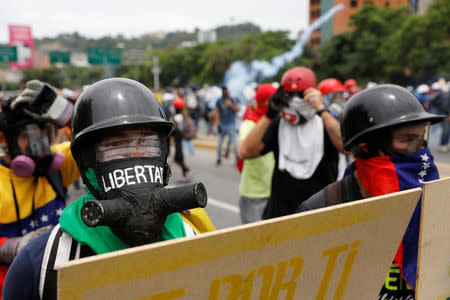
(304, 138)
(119, 142)
(34, 176)
(385, 129)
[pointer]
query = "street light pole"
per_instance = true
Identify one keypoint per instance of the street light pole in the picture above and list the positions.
(156, 70)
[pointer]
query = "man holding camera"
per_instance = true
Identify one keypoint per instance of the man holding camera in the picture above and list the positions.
(120, 144)
(304, 137)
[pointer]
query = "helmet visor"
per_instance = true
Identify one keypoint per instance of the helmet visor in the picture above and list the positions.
(129, 143)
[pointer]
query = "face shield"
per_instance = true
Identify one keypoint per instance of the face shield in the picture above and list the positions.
(131, 159)
(128, 144)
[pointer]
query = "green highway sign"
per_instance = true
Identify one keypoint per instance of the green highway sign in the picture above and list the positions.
(59, 56)
(8, 53)
(104, 56)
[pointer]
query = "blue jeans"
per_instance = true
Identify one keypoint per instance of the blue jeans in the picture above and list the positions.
(445, 136)
(251, 209)
(188, 147)
(231, 132)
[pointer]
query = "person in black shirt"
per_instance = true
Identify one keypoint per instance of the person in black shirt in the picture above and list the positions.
(304, 137)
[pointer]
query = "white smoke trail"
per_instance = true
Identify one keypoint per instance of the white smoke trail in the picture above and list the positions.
(240, 74)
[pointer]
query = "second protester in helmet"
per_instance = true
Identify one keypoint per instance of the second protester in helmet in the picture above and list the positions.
(385, 127)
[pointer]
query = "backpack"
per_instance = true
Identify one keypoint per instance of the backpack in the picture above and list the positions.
(189, 129)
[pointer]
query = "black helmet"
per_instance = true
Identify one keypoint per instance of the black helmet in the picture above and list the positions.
(113, 103)
(380, 107)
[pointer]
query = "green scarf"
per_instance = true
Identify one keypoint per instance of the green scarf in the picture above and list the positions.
(101, 239)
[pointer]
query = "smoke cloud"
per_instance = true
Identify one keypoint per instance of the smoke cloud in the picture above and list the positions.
(240, 74)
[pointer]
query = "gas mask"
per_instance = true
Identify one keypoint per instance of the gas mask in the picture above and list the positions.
(38, 158)
(132, 171)
(298, 111)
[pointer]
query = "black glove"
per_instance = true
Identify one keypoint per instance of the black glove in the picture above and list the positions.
(39, 101)
(277, 102)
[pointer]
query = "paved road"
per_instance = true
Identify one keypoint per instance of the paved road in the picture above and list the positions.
(222, 185)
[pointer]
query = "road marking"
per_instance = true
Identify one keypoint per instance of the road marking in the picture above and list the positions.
(232, 208)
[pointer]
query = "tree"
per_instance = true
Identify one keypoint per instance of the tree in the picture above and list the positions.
(236, 33)
(420, 44)
(266, 45)
(389, 43)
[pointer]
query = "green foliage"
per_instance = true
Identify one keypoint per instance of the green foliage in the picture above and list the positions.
(76, 77)
(53, 76)
(208, 62)
(338, 57)
(215, 61)
(385, 45)
(390, 45)
(69, 76)
(76, 42)
(236, 33)
(266, 45)
(174, 39)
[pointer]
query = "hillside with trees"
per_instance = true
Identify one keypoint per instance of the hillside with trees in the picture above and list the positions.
(76, 42)
(387, 45)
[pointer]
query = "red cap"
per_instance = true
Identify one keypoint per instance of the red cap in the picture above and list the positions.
(354, 89)
(264, 92)
(298, 79)
(349, 83)
(330, 85)
(178, 103)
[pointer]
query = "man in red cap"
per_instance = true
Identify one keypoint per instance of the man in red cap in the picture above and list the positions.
(304, 137)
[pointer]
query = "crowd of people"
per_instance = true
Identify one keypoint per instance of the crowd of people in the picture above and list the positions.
(298, 144)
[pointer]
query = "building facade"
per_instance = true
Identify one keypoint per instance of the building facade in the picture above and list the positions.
(339, 22)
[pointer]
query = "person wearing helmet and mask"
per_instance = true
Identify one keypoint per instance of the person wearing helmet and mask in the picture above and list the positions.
(181, 120)
(257, 172)
(304, 137)
(119, 142)
(333, 95)
(34, 176)
(351, 87)
(385, 128)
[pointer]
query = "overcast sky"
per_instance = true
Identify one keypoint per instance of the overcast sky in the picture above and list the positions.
(96, 18)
